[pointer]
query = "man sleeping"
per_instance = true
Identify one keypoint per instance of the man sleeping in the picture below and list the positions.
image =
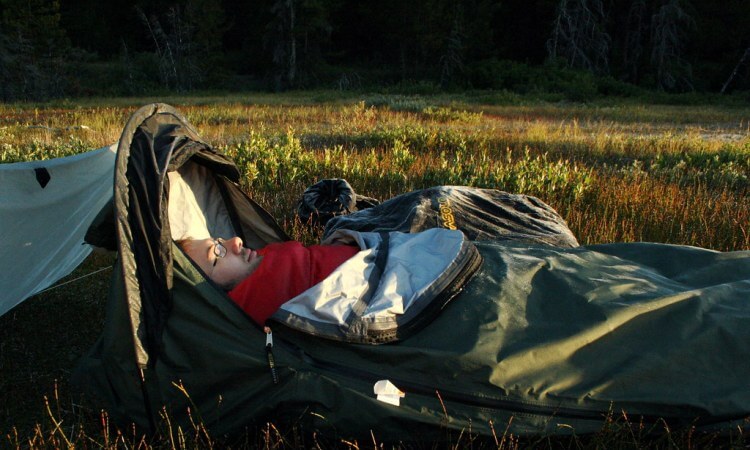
(260, 281)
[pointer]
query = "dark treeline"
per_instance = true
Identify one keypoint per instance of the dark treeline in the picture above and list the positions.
(77, 47)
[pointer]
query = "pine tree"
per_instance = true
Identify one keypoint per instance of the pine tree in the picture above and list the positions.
(281, 34)
(295, 37)
(452, 60)
(636, 31)
(669, 27)
(208, 23)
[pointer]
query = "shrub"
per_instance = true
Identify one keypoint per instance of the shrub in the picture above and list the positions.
(608, 86)
(496, 74)
(550, 79)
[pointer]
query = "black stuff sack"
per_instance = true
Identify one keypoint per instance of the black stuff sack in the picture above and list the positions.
(330, 198)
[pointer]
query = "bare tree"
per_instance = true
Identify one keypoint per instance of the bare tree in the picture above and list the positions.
(741, 63)
(669, 26)
(578, 37)
(167, 65)
(175, 50)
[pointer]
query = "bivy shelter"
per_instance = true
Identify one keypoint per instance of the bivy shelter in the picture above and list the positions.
(527, 333)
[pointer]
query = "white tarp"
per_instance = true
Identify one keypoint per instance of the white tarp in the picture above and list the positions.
(45, 209)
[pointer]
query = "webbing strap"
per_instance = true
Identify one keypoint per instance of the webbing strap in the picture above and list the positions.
(373, 281)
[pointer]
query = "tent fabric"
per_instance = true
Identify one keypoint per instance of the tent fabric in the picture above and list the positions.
(45, 209)
(157, 140)
(542, 339)
(193, 206)
(550, 340)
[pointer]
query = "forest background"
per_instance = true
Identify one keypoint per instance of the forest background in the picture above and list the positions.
(576, 49)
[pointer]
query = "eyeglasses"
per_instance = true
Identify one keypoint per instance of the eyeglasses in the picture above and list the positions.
(220, 250)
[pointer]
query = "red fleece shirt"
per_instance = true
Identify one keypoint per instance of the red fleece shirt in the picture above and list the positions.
(286, 270)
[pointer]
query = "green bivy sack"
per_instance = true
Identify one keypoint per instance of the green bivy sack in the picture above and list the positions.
(533, 338)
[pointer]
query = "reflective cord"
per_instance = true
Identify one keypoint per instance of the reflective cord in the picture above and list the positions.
(74, 279)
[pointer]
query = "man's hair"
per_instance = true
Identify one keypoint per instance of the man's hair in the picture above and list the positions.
(186, 244)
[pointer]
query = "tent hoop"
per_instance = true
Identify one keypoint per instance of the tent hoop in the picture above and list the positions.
(74, 279)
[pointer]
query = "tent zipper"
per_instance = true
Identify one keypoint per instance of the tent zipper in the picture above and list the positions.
(269, 355)
(509, 406)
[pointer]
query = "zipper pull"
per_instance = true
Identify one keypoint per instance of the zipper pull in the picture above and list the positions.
(269, 355)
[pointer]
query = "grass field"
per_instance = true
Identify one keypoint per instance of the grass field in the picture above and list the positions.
(615, 170)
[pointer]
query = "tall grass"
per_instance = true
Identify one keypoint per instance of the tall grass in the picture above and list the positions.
(615, 171)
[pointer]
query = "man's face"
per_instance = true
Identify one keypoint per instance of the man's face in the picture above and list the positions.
(228, 270)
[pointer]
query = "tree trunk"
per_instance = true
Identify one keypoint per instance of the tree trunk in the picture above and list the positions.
(292, 62)
(736, 69)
